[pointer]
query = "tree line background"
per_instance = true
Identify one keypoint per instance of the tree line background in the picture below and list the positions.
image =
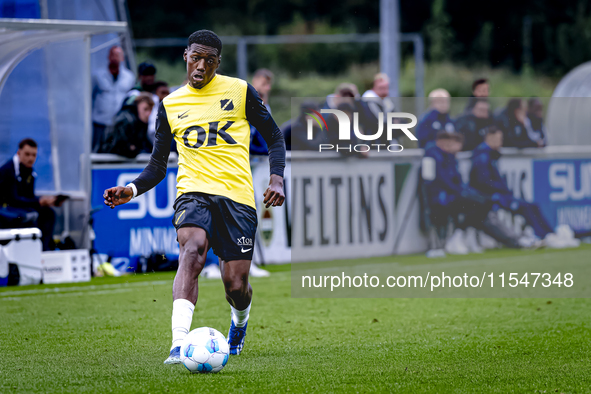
(548, 36)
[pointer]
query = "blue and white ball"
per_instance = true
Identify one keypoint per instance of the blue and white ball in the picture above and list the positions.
(205, 350)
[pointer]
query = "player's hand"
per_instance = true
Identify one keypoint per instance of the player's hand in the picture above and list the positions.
(117, 196)
(47, 201)
(274, 195)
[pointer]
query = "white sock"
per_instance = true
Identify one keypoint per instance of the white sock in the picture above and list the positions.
(182, 316)
(240, 317)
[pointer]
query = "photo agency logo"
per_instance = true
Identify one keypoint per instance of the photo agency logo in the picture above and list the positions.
(359, 141)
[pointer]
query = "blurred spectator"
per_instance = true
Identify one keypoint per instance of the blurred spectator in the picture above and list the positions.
(380, 87)
(511, 121)
(448, 196)
(347, 93)
(377, 100)
(262, 81)
(146, 77)
(436, 119)
(480, 89)
(128, 136)
(486, 178)
(535, 121)
(146, 83)
(473, 125)
(161, 90)
(19, 207)
(109, 88)
(296, 130)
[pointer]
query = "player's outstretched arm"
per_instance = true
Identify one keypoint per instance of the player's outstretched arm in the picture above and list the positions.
(117, 195)
(154, 172)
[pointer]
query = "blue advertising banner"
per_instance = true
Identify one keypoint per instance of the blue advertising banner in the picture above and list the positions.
(562, 188)
(139, 228)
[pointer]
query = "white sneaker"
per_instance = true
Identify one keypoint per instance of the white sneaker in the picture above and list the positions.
(564, 237)
(530, 242)
(486, 241)
(471, 242)
(212, 271)
(455, 244)
(435, 253)
(257, 272)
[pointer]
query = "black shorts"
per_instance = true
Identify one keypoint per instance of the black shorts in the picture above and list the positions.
(230, 226)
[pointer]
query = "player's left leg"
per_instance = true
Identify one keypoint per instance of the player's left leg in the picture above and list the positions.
(234, 238)
(239, 295)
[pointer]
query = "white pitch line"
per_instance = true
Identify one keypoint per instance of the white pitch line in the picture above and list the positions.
(82, 288)
(104, 289)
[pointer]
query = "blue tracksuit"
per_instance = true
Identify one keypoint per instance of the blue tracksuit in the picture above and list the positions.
(486, 178)
(432, 123)
(448, 194)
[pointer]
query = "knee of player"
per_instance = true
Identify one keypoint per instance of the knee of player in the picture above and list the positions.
(236, 287)
(194, 247)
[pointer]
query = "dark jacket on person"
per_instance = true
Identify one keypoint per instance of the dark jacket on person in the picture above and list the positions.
(297, 133)
(537, 128)
(473, 129)
(17, 186)
(515, 133)
(432, 123)
(484, 175)
(447, 185)
(128, 136)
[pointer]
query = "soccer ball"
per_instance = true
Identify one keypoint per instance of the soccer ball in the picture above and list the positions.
(204, 350)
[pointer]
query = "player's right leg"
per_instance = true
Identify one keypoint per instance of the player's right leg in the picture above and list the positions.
(193, 245)
(193, 223)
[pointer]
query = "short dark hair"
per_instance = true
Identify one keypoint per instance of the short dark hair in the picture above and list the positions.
(492, 129)
(27, 141)
(444, 135)
(159, 84)
(479, 81)
(207, 38)
(146, 68)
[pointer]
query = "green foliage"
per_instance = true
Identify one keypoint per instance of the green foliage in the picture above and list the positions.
(439, 34)
(112, 335)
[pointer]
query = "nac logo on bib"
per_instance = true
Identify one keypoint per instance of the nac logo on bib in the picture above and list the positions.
(344, 130)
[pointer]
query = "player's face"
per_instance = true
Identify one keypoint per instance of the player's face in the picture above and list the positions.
(143, 111)
(481, 90)
(162, 92)
(495, 140)
(27, 156)
(262, 85)
(381, 87)
(202, 63)
(480, 110)
(116, 55)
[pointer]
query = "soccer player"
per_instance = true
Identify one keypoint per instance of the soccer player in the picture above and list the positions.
(215, 206)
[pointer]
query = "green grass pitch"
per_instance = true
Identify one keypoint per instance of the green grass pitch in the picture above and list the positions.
(112, 335)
